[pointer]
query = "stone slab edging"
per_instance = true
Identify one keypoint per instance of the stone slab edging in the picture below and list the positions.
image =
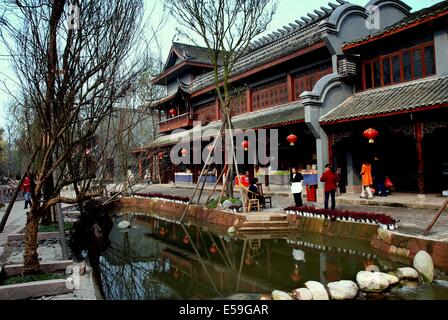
(396, 243)
(45, 266)
(212, 216)
(40, 236)
(34, 289)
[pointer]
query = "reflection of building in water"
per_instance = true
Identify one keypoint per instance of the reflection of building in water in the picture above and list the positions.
(148, 264)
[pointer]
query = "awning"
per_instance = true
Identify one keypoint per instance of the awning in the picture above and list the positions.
(406, 97)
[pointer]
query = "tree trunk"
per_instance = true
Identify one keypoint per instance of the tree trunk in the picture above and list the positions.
(31, 259)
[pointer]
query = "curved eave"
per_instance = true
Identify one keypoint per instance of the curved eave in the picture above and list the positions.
(169, 74)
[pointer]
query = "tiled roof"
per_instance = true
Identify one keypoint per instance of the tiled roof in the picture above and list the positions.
(285, 114)
(412, 18)
(192, 53)
(403, 97)
(287, 40)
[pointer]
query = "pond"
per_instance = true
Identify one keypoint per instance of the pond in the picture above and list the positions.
(159, 259)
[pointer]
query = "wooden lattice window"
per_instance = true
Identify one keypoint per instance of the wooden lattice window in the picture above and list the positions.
(238, 104)
(400, 66)
(270, 94)
(206, 112)
(305, 81)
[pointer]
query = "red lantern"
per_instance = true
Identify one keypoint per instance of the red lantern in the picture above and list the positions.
(185, 240)
(172, 112)
(213, 249)
(371, 134)
(184, 152)
(245, 145)
(162, 232)
(160, 155)
(295, 275)
(176, 274)
(292, 139)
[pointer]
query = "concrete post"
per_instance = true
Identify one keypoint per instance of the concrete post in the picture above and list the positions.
(441, 51)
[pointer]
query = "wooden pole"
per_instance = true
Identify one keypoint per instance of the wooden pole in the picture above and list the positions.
(439, 213)
(421, 167)
(216, 184)
(202, 173)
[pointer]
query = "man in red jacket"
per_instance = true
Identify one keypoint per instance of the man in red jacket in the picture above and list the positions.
(331, 183)
(26, 188)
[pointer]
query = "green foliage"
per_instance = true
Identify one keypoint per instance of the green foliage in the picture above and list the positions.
(33, 277)
(213, 203)
(54, 227)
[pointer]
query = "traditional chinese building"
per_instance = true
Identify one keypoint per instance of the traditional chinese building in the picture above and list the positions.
(326, 79)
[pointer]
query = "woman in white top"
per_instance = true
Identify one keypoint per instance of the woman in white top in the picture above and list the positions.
(297, 187)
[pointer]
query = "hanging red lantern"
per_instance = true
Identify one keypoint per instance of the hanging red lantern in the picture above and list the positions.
(213, 249)
(172, 112)
(292, 139)
(162, 232)
(295, 275)
(160, 155)
(186, 240)
(184, 152)
(371, 134)
(245, 145)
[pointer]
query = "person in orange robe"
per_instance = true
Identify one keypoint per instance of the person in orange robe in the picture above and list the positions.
(367, 181)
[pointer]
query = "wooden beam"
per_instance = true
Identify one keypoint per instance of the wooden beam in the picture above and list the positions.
(290, 84)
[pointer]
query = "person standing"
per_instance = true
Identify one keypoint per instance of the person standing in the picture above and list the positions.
(379, 176)
(26, 189)
(297, 187)
(367, 181)
(330, 180)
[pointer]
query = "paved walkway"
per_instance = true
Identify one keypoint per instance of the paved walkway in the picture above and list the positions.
(16, 222)
(413, 221)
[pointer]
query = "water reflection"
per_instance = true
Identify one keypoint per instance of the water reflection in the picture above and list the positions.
(160, 259)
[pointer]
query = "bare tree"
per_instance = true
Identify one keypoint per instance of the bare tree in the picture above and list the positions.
(226, 28)
(72, 72)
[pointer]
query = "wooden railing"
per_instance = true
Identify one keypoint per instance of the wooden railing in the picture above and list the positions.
(181, 121)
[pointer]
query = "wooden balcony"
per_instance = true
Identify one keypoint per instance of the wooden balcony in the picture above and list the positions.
(181, 121)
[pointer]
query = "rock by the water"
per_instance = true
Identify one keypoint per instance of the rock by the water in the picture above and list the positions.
(424, 265)
(372, 281)
(231, 230)
(317, 290)
(265, 297)
(343, 290)
(390, 278)
(123, 224)
(407, 273)
(302, 294)
(280, 295)
(227, 204)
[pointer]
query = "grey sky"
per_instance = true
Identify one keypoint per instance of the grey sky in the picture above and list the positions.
(288, 11)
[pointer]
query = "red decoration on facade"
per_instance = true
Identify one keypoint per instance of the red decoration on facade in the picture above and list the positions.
(245, 145)
(292, 139)
(213, 249)
(162, 232)
(160, 155)
(172, 112)
(371, 134)
(186, 240)
(184, 152)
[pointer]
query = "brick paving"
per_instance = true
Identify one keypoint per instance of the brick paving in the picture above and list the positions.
(413, 221)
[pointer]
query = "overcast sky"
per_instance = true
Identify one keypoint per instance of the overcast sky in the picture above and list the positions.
(287, 12)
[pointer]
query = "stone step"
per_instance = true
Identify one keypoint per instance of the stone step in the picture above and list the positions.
(266, 224)
(262, 229)
(266, 217)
